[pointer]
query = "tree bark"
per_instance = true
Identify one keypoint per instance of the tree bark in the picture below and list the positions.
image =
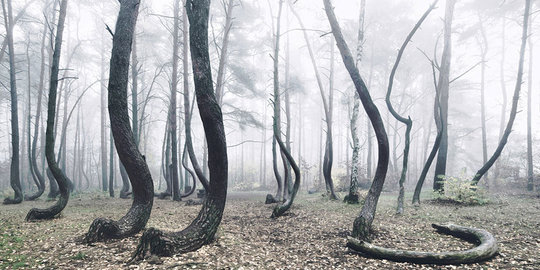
(444, 88)
(53, 211)
(33, 157)
(279, 210)
(486, 248)
(530, 164)
(174, 84)
(515, 100)
(201, 230)
(126, 146)
(362, 224)
(14, 172)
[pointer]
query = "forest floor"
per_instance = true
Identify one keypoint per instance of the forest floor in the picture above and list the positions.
(312, 236)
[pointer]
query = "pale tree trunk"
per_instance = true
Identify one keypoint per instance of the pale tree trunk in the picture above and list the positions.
(483, 44)
(14, 171)
(362, 224)
(503, 88)
(530, 165)
(58, 174)
(327, 106)
(444, 88)
(515, 100)
(172, 115)
(103, 112)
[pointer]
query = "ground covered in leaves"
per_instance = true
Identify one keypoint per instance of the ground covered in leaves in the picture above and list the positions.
(312, 236)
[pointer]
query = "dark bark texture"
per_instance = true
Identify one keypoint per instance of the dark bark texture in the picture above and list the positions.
(201, 231)
(63, 182)
(128, 152)
(486, 248)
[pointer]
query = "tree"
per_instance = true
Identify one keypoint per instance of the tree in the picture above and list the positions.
(172, 115)
(353, 197)
(362, 224)
(515, 100)
(327, 106)
(14, 172)
(57, 173)
(407, 121)
(201, 230)
(126, 146)
(444, 88)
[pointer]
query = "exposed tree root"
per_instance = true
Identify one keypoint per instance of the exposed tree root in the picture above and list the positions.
(270, 199)
(486, 248)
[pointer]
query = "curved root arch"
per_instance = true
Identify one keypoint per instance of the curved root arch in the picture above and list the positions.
(486, 248)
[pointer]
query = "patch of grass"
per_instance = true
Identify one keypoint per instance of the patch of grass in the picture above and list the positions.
(80, 256)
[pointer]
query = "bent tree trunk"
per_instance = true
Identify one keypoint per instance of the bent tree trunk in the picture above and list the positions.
(515, 100)
(362, 224)
(191, 172)
(437, 111)
(485, 249)
(279, 210)
(33, 155)
(14, 172)
(57, 173)
(201, 231)
(128, 152)
(407, 121)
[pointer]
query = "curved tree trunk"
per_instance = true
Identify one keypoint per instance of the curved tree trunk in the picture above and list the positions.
(486, 248)
(201, 230)
(57, 173)
(33, 157)
(126, 146)
(279, 210)
(14, 172)
(407, 121)
(191, 172)
(362, 224)
(437, 111)
(515, 100)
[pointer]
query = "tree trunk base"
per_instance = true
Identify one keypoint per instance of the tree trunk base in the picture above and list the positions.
(164, 195)
(270, 199)
(14, 200)
(352, 198)
(486, 248)
(102, 229)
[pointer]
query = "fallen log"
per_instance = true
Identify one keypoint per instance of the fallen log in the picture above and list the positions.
(486, 248)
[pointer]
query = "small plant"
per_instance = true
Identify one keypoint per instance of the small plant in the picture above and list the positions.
(460, 190)
(80, 256)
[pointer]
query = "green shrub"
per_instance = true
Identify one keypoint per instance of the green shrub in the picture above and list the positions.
(460, 190)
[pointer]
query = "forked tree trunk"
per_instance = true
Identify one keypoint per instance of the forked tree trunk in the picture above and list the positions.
(126, 146)
(362, 224)
(407, 121)
(57, 173)
(14, 172)
(201, 231)
(515, 100)
(279, 210)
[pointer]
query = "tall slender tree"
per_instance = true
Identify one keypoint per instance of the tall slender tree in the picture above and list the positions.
(57, 173)
(14, 172)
